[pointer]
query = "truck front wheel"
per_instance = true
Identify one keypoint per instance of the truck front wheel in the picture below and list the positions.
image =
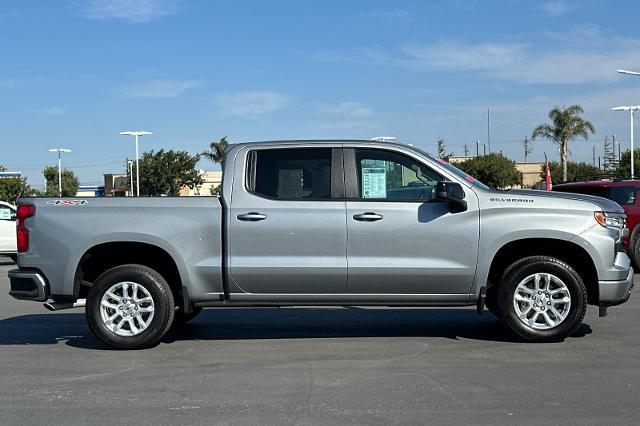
(130, 307)
(542, 299)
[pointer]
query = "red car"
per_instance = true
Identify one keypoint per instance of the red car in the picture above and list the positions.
(623, 192)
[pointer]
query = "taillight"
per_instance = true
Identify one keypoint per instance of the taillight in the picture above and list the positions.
(24, 211)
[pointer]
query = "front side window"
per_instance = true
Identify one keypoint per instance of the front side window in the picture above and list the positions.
(391, 176)
(624, 195)
(292, 174)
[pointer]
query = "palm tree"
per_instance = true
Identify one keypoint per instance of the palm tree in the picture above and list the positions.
(567, 126)
(216, 151)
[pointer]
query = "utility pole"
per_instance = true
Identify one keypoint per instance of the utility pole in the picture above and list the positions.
(594, 156)
(466, 150)
(477, 148)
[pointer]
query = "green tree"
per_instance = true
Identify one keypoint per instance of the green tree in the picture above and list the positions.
(575, 171)
(494, 170)
(216, 154)
(442, 150)
(624, 166)
(70, 182)
(13, 187)
(566, 126)
(165, 172)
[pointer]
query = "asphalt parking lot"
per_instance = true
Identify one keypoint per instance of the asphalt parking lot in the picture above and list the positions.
(318, 366)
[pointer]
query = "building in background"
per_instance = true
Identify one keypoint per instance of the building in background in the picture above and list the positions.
(211, 180)
(116, 185)
(90, 191)
(10, 174)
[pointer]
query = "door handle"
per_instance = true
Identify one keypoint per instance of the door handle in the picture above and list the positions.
(367, 217)
(251, 217)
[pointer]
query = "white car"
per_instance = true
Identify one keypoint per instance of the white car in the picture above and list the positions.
(8, 245)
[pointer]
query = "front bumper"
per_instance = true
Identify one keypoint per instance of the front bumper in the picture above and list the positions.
(615, 292)
(28, 285)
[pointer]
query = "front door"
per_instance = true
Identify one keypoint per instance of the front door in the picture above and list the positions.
(401, 240)
(287, 231)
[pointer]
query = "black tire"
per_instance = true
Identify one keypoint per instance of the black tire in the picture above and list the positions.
(157, 288)
(526, 267)
(635, 256)
(181, 318)
(14, 257)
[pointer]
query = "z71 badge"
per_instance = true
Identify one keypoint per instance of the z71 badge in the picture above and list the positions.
(68, 202)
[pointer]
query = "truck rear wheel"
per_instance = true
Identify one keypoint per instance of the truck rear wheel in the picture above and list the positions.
(542, 299)
(130, 307)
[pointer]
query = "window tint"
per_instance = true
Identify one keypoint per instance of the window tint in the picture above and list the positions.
(292, 174)
(623, 195)
(387, 175)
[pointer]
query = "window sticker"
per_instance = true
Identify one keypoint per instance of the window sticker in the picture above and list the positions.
(374, 182)
(5, 214)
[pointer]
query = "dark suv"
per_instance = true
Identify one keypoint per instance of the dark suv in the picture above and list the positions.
(623, 192)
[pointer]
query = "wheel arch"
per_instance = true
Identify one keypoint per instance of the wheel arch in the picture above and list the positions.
(104, 256)
(569, 252)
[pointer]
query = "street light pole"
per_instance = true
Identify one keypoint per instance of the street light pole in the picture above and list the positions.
(59, 151)
(631, 109)
(137, 133)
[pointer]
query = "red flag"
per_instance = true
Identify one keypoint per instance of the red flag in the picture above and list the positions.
(548, 174)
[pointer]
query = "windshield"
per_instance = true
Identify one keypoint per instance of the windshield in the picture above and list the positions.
(454, 170)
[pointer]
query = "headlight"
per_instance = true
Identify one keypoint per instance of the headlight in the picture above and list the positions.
(611, 220)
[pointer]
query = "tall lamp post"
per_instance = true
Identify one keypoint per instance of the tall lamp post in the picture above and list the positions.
(137, 134)
(631, 109)
(59, 151)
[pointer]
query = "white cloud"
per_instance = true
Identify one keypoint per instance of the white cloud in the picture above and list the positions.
(452, 56)
(54, 110)
(558, 7)
(578, 56)
(344, 115)
(346, 109)
(133, 11)
(7, 83)
(250, 104)
(157, 89)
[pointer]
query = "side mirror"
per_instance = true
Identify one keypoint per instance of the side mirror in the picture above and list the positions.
(453, 193)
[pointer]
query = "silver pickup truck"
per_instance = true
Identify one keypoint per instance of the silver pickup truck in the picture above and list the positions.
(325, 223)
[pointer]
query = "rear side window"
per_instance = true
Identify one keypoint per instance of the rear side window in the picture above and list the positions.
(292, 174)
(624, 195)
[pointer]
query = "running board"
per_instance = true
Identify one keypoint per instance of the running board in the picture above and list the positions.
(58, 306)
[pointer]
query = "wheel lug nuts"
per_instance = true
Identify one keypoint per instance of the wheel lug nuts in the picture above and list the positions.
(120, 307)
(539, 292)
(124, 315)
(549, 303)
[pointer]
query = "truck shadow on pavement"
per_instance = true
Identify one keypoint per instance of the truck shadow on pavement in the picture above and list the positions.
(274, 323)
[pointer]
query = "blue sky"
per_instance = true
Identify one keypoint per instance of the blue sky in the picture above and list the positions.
(75, 73)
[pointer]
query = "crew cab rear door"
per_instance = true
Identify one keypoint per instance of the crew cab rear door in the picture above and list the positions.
(286, 229)
(401, 240)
